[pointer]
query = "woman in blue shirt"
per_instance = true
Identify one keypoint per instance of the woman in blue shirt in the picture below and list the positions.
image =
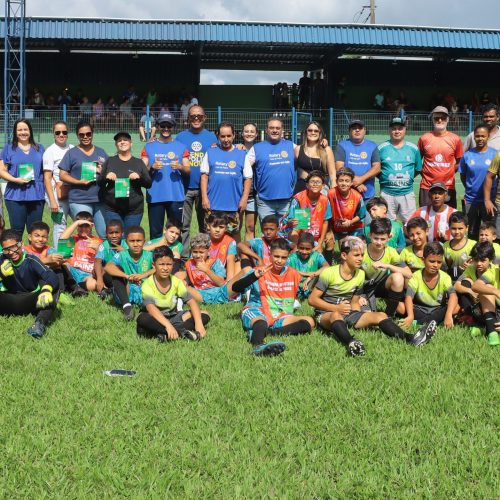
(21, 166)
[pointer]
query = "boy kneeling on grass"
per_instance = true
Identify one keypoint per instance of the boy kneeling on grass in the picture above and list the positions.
(269, 310)
(338, 304)
(159, 316)
(30, 287)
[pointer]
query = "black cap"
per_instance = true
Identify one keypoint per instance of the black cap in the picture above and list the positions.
(121, 135)
(438, 185)
(352, 123)
(397, 121)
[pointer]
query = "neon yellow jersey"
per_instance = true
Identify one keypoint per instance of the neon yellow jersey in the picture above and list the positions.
(496, 247)
(166, 302)
(458, 257)
(411, 259)
(390, 256)
(430, 297)
(492, 277)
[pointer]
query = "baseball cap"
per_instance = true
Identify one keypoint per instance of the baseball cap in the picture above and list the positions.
(166, 118)
(121, 135)
(438, 185)
(356, 122)
(440, 109)
(397, 121)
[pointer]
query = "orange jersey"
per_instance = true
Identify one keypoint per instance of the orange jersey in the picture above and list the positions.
(220, 249)
(83, 256)
(345, 209)
(39, 253)
(318, 212)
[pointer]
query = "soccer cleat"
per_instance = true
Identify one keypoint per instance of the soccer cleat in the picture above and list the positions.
(36, 330)
(424, 333)
(269, 349)
(104, 293)
(190, 335)
(356, 348)
(78, 291)
(128, 313)
(162, 337)
(493, 339)
(296, 305)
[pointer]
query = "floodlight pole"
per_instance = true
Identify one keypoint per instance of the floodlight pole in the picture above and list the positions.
(372, 11)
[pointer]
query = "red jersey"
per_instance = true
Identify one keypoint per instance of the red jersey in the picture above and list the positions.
(438, 222)
(344, 209)
(440, 155)
(219, 250)
(200, 279)
(83, 256)
(39, 253)
(318, 211)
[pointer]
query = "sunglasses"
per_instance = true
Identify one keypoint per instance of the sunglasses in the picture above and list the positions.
(440, 118)
(84, 135)
(60, 132)
(313, 131)
(11, 249)
(165, 125)
(196, 117)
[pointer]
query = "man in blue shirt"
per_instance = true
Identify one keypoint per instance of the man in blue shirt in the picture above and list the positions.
(360, 155)
(400, 161)
(197, 141)
(275, 174)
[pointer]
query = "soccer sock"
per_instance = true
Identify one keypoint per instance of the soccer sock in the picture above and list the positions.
(392, 301)
(328, 255)
(259, 331)
(339, 328)
(246, 262)
(490, 320)
(301, 326)
(120, 288)
(392, 330)
(108, 280)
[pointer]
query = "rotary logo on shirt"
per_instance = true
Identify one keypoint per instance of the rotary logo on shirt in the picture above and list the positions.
(364, 155)
(196, 146)
(284, 154)
(171, 155)
(231, 164)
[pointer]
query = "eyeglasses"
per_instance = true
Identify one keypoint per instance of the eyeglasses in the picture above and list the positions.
(196, 117)
(84, 135)
(313, 131)
(12, 249)
(60, 132)
(165, 125)
(315, 183)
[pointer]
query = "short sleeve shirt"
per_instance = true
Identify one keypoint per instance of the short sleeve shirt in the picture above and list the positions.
(411, 259)
(390, 256)
(430, 297)
(474, 166)
(165, 302)
(495, 169)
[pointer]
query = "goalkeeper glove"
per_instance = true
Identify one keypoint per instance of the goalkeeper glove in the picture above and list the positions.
(45, 298)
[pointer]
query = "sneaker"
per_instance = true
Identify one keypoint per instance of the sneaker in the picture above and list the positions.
(269, 349)
(162, 337)
(78, 291)
(475, 331)
(36, 330)
(104, 293)
(191, 335)
(66, 299)
(356, 348)
(424, 334)
(493, 339)
(128, 313)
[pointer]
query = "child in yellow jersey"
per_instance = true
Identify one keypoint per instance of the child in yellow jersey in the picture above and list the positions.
(417, 230)
(384, 269)
(457, 250)
(159, 316)
(488, 232)
(430, 295)
(339, 304)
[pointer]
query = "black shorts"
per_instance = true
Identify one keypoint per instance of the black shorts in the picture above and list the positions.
(350, 320)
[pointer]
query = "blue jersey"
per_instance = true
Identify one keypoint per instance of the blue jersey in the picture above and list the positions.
(274, 170)
(398, 167)
(12, 158)
(197, 145)
(225, 178)
(359, 158)
(474, 166)
(106, 252)
(167, 184)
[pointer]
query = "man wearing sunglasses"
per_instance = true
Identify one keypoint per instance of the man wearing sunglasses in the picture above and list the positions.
(197, 140)
(167, 160)
(441, 152)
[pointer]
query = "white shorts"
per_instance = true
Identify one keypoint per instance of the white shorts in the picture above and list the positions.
(403, 205)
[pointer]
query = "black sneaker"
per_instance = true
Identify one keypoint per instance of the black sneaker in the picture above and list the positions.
(356, 348)
(128, 313)
(78, 291)
(36, 330)
(424, 334)
(162, 337)
(269, 349)
(104, 293)
(190, 335)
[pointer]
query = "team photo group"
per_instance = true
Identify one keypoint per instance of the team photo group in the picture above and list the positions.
(278, 225)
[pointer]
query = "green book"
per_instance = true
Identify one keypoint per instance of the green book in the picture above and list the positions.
(26, 171)
(65, 247)
(303, 216)
(88, 171)
(122, 188)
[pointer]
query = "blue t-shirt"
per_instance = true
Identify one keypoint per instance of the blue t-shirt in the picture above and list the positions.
(12, 158)
(197, 145)
(167, 184)
(359, 158)
(275, 174)
(474, 166)
(225, 178)
(398, 168)
(72, 163)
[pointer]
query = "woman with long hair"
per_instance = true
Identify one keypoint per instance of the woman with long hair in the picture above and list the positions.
(314, 154)
(21, 167)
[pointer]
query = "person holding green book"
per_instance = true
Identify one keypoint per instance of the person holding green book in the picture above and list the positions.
(121, 181)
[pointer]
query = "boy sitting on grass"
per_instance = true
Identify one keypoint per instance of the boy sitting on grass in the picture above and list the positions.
(488, 232)
(430, 294)
(377, 208)
(30, 287)
(385, 271)
(308, 263)
(81, 263)
(269, 311)
(222, 246)
(413, 255)
(338, 302)
(457, 250)
(159, 316)
(128, 269)
(256, 252)
(170, 238)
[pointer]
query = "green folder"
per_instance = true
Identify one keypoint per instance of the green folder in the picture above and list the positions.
(303, 216)
(88, 171)
(26, 171)
(122, 188)
(65, 247)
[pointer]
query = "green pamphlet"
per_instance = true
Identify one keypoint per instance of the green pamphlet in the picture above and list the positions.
(122, 188)
(88, 171)
(303, 216)
(65, 247)
(26, 171)
(56, 217)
